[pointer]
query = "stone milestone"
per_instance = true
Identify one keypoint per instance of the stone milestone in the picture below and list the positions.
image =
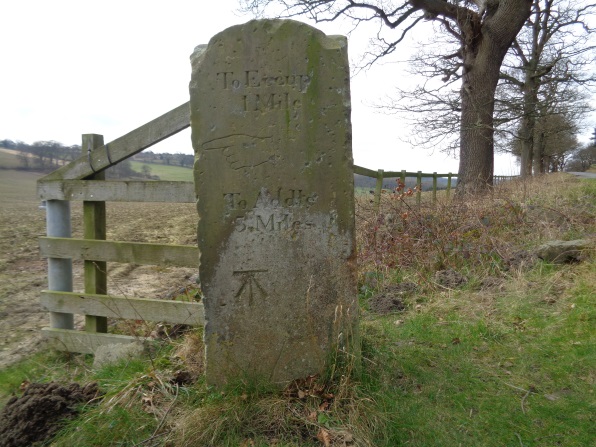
(270, 118)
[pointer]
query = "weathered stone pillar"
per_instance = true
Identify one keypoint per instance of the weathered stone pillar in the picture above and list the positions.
(270, 117)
